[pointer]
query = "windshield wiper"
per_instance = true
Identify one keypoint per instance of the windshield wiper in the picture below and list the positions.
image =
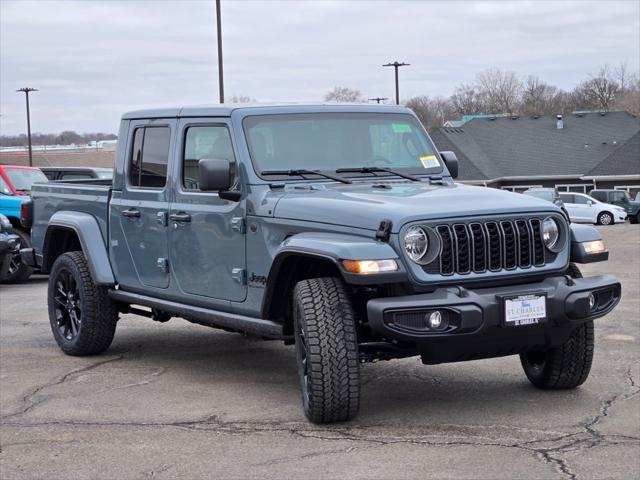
(378, 169)
(301, 172)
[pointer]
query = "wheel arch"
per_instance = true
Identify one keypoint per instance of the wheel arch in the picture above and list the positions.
(69, 231)
(288, 268)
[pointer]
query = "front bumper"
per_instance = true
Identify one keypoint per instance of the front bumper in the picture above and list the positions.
(473, 320)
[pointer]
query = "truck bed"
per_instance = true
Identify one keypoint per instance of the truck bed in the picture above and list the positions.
(88, 196)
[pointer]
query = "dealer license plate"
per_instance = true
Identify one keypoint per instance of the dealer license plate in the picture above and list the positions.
(525, 310)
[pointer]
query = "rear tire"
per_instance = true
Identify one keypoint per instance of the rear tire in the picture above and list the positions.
(566, 366)
(14, 270)
(634, 218)
(326, 350)
(82, 316)
(605, 218)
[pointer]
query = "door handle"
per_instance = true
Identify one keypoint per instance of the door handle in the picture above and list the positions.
(180, 217)
(132, 213)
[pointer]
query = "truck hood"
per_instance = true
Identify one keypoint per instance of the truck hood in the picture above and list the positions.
(364, 205)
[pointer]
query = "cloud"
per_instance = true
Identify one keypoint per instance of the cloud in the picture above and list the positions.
(94, 60)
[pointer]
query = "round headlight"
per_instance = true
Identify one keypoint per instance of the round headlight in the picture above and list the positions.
(416, 243)
(550, 232)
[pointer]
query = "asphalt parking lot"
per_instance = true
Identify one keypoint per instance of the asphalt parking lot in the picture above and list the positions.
(177, 400)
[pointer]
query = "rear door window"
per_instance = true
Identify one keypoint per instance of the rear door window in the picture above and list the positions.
(602, 196)
(567, 198)
(150, 156)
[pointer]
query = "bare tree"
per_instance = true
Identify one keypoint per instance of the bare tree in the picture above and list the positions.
(600, 91)
(467, 100)
(501, 90)
(431, 112)
(344, 94)
(538, 97)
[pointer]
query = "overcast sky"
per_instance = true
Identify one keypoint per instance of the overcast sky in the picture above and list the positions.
(94, 60)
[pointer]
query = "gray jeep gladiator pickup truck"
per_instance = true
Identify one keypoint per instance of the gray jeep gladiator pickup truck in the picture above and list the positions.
(338, 229)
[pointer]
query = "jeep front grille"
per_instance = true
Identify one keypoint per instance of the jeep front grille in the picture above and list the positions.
(488, 246)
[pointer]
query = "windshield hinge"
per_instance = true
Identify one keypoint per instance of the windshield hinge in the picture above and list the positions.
(384, 230)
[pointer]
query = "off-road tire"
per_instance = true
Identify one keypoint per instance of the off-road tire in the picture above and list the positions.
(566, 366)
(602, 218)
(23, 271)
(99, 314)
(328, 368)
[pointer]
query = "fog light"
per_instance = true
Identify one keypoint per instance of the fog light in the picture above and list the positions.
(435, 320)
(592, 301)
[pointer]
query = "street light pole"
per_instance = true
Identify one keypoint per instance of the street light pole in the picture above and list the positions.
(26, 91)
(397, 64)
(220, 72)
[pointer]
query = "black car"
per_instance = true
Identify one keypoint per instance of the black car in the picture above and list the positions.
(77, 173)
(9, 246)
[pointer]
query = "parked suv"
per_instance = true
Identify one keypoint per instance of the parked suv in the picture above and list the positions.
(338, 229)
(548, 194)
(621, 199)
(585, 209)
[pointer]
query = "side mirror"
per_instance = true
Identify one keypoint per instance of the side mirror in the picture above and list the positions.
(590, 203)
(215, 176)
(451, 161)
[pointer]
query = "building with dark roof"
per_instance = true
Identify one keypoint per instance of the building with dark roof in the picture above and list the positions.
(577, 152)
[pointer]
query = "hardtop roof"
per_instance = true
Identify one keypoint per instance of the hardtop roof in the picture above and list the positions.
(225, 110)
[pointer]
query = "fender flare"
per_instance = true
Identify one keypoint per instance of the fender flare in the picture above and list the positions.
(88, 231)
(333, 247)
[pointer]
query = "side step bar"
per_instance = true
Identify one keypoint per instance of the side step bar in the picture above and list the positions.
(204, 316)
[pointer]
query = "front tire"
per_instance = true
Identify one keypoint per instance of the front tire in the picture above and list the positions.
(82, 316)
(326, 350)
(605, 218)
(634, 218)
(566, 366)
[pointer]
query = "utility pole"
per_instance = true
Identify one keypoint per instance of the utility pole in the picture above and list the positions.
(397, 64)
(378, 99)
(220, 72)
(26, 91)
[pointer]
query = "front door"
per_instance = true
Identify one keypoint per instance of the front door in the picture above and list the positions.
(206, 239)
(139, 212)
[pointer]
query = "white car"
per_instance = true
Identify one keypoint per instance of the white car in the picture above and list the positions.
(585, 209)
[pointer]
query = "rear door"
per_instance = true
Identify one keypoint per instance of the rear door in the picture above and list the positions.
(139, 213)
(206, 239)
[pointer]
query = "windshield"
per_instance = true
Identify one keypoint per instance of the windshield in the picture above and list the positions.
(331, 141)
(23, 178)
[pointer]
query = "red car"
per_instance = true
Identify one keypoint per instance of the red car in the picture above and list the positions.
(17, 180)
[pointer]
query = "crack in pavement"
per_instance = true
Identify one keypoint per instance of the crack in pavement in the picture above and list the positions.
(153, 376)
(587, 437)
(29, 401)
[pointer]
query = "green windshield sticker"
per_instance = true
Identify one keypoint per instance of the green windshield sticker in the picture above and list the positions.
(429, 161)
(401, 127)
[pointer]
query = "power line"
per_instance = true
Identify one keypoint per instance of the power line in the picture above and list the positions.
(220, 72)
(26, 91)
(397, 64)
